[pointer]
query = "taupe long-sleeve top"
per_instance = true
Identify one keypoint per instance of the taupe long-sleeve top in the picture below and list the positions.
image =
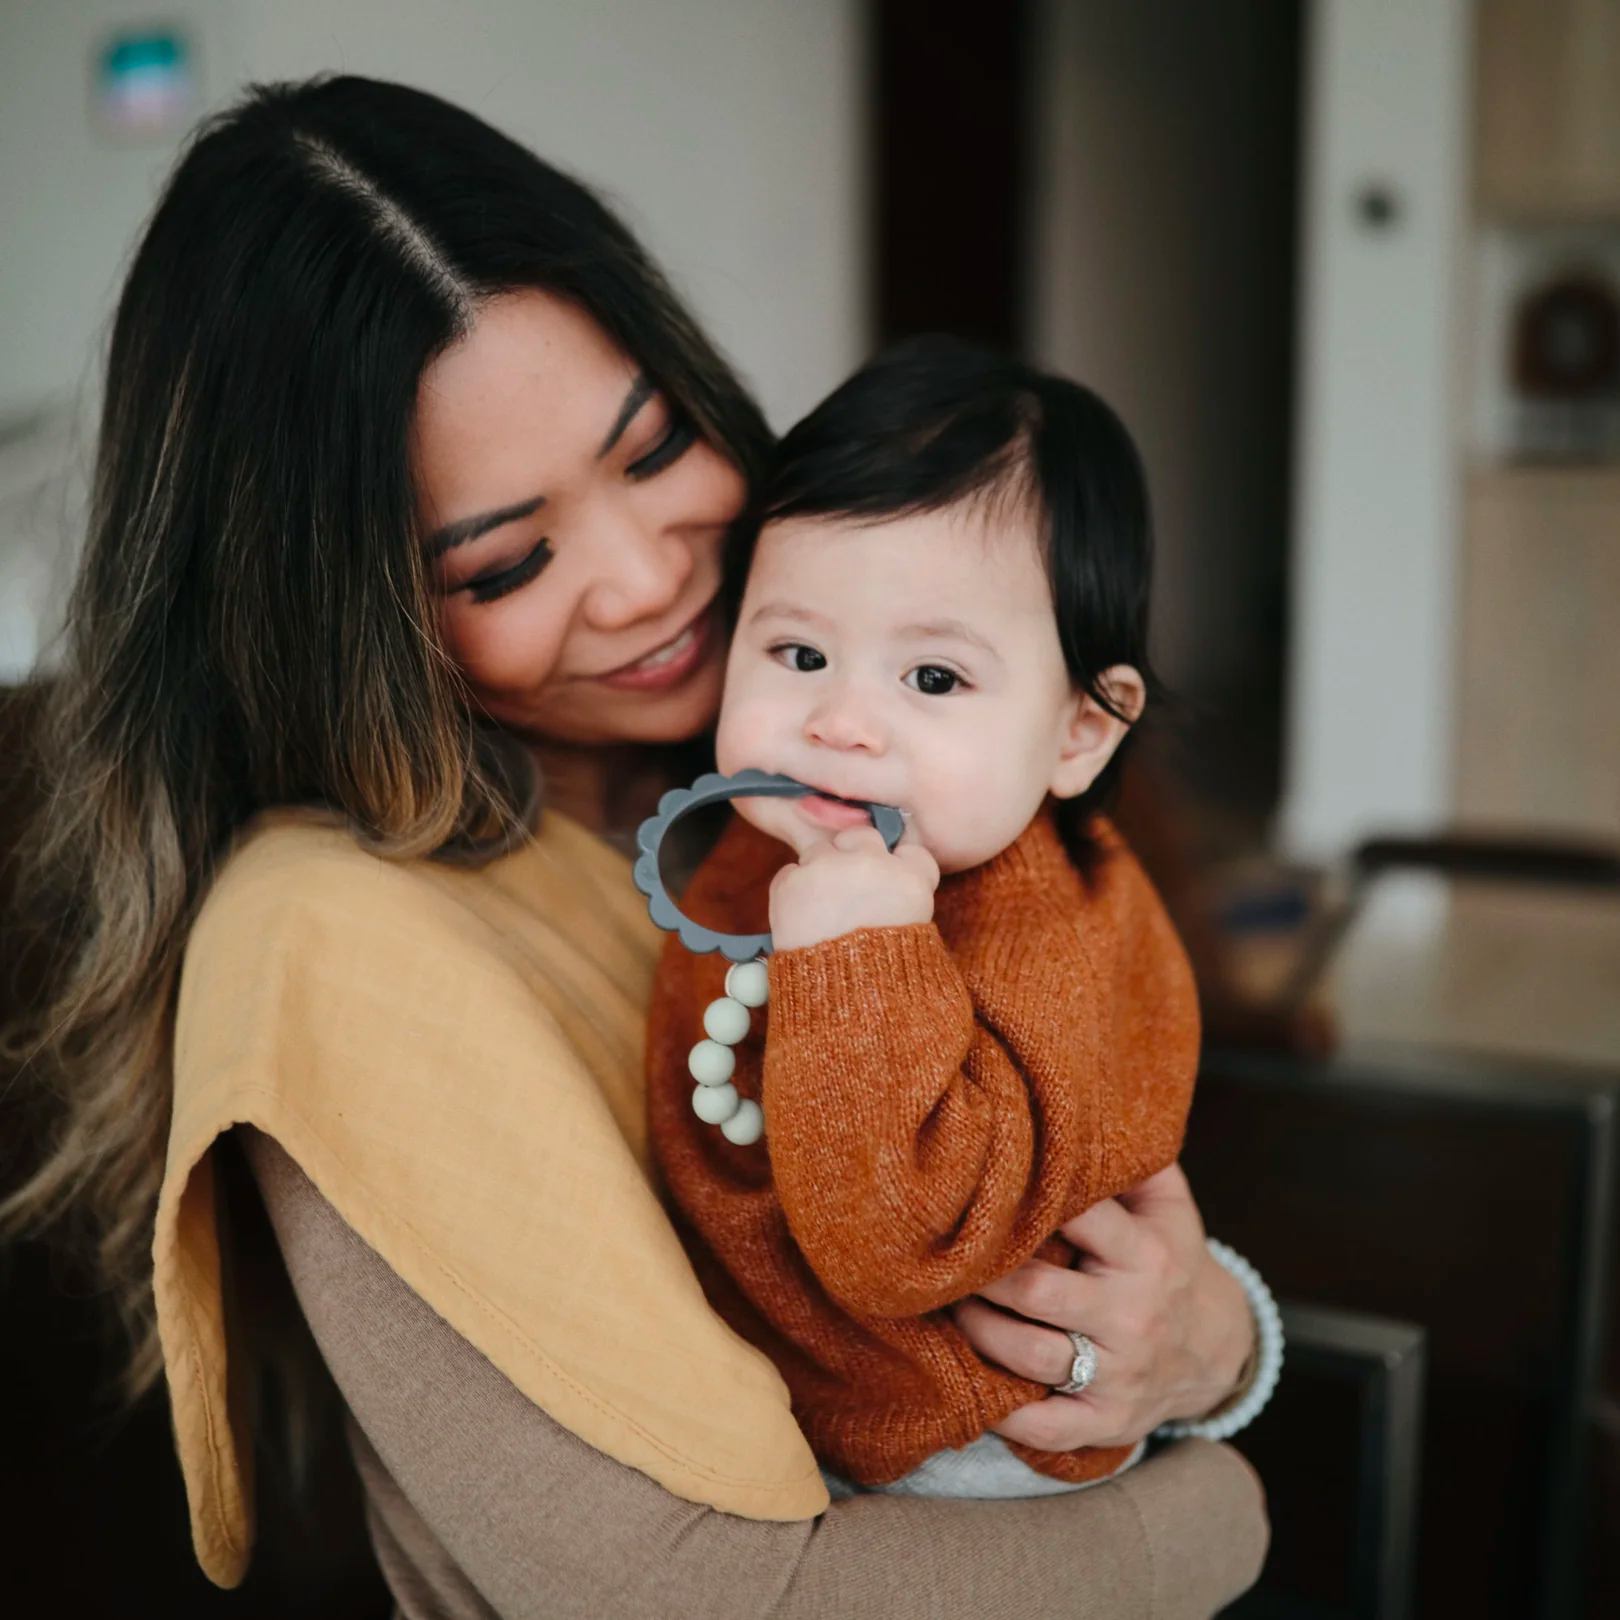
(481, 1505)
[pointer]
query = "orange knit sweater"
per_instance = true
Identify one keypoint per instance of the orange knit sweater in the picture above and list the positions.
(938, 1099)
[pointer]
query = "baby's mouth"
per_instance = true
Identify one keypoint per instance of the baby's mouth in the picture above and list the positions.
(833, 813)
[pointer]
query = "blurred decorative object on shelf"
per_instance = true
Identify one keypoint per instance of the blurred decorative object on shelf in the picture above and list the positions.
(1547, 343)
(143, 85)
(1567, 339)
(1566, 367)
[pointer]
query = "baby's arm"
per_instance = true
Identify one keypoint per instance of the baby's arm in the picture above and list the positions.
(919, 1151)
(922, 1146)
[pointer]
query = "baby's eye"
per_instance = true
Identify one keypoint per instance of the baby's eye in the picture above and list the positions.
(797, 656)
(933, 680)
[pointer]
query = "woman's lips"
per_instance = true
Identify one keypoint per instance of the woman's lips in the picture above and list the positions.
(668, 665)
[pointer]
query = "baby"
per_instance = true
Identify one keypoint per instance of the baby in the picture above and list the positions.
(973, 1038)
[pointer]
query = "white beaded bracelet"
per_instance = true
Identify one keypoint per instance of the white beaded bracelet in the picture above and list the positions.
(1268, 1325)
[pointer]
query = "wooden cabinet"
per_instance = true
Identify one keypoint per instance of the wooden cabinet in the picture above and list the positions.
(1548, 108)
(1539, 700)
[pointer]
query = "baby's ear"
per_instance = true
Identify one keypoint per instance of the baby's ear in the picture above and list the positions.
(1093, 733)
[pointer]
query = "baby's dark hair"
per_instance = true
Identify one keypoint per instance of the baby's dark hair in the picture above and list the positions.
(933, 423)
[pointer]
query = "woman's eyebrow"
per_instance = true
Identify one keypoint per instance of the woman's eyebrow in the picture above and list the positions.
(470, 528)
(641, 390)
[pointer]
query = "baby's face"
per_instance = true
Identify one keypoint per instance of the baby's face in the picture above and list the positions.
(914, 662)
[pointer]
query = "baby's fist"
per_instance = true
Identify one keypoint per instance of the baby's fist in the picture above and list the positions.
(851, 881)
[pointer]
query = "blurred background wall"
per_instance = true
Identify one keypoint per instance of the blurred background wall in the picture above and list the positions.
(1289, 239)
(729, 132)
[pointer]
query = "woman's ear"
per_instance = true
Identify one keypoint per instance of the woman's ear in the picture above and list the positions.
(1093, 733)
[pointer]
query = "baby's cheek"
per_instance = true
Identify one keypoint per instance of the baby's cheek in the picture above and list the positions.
(750, 733)
(973, 804)
(729, 743)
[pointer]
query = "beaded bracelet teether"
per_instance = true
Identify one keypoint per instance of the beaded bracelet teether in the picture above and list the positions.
(712, 1061)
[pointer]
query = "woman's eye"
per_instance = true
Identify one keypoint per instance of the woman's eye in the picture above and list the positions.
(672, 444)
(797, 656)
(491, 587)
(933, 680)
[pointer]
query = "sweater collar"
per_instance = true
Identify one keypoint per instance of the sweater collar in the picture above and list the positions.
(1034, 863)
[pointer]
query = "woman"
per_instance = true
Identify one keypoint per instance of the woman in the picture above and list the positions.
(414, 476)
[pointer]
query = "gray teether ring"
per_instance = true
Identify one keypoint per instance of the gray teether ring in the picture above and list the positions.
(711, 789)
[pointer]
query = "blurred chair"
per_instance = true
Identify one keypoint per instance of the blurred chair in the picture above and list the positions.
(1339, 1451)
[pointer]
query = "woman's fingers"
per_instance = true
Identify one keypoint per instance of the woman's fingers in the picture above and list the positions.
(1065, 1423)
(1164, 1194)
(1170, 1324)
(1048, 1293)
(1040, 1353)
(1107, 1234)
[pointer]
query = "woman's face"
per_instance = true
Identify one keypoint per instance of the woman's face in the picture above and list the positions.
(574, 530)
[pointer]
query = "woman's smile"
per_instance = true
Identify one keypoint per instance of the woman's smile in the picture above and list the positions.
(670, 664)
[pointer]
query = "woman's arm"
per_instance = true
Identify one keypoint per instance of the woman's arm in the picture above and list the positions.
(498, 1495)
(1173, 1331)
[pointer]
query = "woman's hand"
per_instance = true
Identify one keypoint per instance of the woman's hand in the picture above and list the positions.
(1171, 1326)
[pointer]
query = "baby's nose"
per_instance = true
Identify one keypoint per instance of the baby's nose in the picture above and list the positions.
(842, 720)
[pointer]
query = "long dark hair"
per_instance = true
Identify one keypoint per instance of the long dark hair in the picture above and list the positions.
(253, 624)
(935, 422)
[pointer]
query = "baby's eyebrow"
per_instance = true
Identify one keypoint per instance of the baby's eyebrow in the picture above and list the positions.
(788, 610)
(949, 630)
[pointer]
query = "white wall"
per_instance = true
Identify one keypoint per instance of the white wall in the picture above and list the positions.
(1371, 700)
(728, 131)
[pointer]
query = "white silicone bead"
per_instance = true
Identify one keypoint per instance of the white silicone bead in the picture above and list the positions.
(725, 1021)
(714, 1105)
(746, 1126)
(749, 983)
(711, 1063)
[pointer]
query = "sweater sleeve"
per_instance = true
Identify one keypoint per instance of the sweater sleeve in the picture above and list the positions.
(923, 1145)
(480, 1503)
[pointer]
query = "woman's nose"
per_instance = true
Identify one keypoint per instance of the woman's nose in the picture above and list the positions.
(841, 718)
(643, 570)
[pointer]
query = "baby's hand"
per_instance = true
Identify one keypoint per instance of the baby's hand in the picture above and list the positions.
(851, 881)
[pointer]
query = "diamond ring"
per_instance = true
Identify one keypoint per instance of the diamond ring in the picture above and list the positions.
(1083, 1368)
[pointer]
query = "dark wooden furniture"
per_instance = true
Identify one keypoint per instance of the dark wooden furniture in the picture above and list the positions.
(1474, 1199)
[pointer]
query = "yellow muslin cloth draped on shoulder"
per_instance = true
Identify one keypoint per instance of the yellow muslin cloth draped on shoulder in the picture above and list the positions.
(455, 1060)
